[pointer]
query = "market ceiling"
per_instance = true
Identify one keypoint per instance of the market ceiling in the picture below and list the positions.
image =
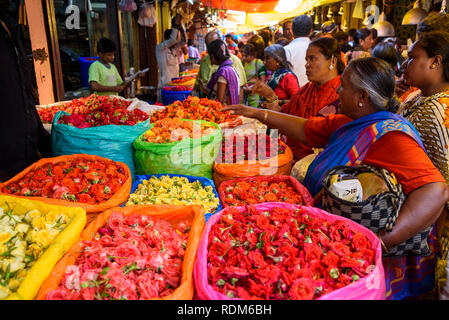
(242, 5)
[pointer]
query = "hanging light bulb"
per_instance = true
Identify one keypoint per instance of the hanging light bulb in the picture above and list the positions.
(383, 27)
(312, 13)
(443, 7)
(414, 15)
(329, 13)
(366, 20)
(317, 19)
(341, 11)
(285, 6)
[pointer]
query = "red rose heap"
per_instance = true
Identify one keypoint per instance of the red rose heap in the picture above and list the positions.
(78, 180)
(102, 115)
(81, 105)
(177, 88)
(283, 254)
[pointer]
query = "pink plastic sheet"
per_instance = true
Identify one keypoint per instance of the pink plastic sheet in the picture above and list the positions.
(371, 287)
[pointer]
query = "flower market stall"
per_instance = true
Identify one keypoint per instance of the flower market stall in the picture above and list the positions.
(251, 152)
(155, 217)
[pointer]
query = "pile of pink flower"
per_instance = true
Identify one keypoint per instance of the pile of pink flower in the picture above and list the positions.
(131, 257)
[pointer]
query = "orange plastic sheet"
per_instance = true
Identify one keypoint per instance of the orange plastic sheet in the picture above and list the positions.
(170, 213)
(242, 5)
(260, 14)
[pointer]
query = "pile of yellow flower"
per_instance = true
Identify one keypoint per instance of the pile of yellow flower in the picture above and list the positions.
(175, 191)
(23, 239)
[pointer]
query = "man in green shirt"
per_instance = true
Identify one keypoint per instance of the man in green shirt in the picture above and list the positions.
(104, 78)
(207, 69)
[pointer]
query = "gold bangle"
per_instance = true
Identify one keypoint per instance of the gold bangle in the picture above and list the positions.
(275, 98)
(266, 116)
(384, 247)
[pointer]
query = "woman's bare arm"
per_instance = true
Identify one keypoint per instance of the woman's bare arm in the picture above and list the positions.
(420, 210)
(288, 125)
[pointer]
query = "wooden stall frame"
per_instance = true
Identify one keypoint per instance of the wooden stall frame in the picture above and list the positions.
(39, 42)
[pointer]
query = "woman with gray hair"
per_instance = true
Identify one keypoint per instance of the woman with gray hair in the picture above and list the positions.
(282, 80)
(367, 131)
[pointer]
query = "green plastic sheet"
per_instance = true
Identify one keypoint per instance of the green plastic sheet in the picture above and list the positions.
(192, 157)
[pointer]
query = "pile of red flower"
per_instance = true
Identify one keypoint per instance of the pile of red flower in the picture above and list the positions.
(131, 257)
(195, 108)
(283, 254)
(236, 148)
(255, 191)
(77, 180)
(177, 88)
(104, 114)
(80, 106)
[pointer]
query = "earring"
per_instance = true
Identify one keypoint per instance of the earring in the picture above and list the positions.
(360, 104)
(331, 67)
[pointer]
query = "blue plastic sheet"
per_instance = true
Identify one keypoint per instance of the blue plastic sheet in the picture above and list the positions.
(110, 141)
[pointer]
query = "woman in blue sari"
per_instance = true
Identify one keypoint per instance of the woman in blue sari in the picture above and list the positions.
(366, 130)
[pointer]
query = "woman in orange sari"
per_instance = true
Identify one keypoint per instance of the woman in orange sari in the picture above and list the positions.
(319, 96)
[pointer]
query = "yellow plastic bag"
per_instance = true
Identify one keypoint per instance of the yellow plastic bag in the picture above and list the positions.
(61, 244)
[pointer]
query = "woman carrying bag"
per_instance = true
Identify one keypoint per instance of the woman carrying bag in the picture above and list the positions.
(368, 132)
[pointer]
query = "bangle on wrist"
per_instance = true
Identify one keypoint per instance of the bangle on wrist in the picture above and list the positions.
(273, 100)
(265, 116)
(384, 247)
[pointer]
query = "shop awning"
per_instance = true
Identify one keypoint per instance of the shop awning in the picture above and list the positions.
(242, 5)
(260, 6)
(258, 20)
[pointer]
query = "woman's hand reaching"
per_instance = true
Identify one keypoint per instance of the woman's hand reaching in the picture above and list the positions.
(242, 110)
(263, 90)
(203, 88)
(401, 87)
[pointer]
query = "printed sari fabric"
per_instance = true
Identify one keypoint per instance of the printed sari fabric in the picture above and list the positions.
(277, 76)
(311, 101)
(284, 83)
(411, 276)
(428, 115)
(229, 74)
(350, 143)
(406, 277)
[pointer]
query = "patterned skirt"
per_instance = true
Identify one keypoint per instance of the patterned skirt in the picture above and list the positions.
(411, 277)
